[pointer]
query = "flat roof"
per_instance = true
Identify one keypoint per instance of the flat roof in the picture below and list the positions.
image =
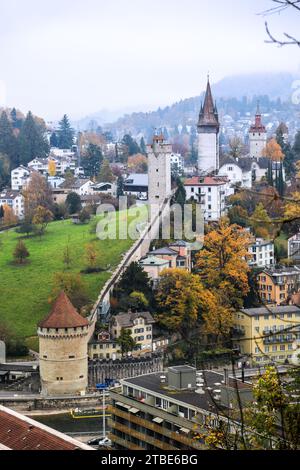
(152, 383)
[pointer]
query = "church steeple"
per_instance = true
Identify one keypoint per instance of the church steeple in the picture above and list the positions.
(208, 114)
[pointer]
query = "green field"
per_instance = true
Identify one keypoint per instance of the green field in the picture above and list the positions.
(25, 290)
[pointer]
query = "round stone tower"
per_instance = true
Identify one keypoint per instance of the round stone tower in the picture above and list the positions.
(63, 338)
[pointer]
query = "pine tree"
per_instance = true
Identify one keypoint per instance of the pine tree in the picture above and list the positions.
(32, 140)
(131, 144)
(120, 186)
(105, 175)
(143, 146)
(53, 140)
(65, 134)
(91, 160)
(280, 184)
(8, 143)
(270, 173)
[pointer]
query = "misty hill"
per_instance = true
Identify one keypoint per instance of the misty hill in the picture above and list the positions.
(235, 94)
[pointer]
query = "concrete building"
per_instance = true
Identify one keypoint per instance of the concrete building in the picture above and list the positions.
(257, 136)
(153, 266)
(166, 411)
(211, 193)
(159, 170)
(262, 252)
(63, 338)
(18, 432)
(277, 285)
(14, 200)
(294, 248)
(208, 130)
(267, 334)
(137, 185)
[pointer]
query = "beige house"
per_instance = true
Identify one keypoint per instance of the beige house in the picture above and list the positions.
(138, 323)
(153, 266)
(178, 254)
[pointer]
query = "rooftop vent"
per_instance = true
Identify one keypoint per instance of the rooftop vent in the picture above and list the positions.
(182, 377)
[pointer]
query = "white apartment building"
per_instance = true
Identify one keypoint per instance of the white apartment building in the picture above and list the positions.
(19, 177)
(294, 247)
(177, 163)
(211, 193)
(14, 200)
(262, 252)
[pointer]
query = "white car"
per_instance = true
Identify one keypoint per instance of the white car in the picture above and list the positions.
(105, 442)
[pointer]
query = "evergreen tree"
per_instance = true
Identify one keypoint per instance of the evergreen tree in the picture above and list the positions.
(143, 146)
(4, 170)
(296, 146)
(180, 195)
(65, 134)
(105, 175)
(1, 212)
(53, 140)
(280, 183)
(73, 203)
(131, 144)
(270, 173)
(91, 160)
(16, 122)
(32, 140)
(8, 143)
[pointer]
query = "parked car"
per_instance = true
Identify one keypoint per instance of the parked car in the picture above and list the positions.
(105, 442)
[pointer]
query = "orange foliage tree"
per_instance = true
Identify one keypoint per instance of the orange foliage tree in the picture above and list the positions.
(273, 151)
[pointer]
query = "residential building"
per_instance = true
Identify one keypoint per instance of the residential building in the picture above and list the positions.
(19, 177)
(159, 171)
(63, 340)
(60, 153)
(18, 432)
(177, 163)
(106, 188)
(294, 248)
(208, 130)
(137, 185)
(211, 193)
(177, 254)
(262, 252)
(14, 200)
(138, 323)
(103, 347)
(257, 136)
(237, 171)
(40, 164)
(153, 266)
(82, 187)
(267, 334)
(55, 181)
(165, 411)
(277, 285)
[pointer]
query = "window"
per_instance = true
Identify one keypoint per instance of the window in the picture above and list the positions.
(256, 318)
(209, 190)
(282, 347)
(257, 350)
(71, 357)
(274, 348)
(267, 349)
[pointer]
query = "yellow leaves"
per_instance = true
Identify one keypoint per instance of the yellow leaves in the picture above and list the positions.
(9, 216)
(292, 209)
(138, 163)
(273, 151)
(52, 168)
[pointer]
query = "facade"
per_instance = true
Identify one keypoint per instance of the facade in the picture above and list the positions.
(159, 170)
(14, 200)
(82, 187)
(208, 130)
(103, 347)
(262, 252)
(257, 136)
(177, 254)
(294, 248)
(106, 188)
(277, 285)
(19, 176)
(165, 411)
(211, 193)
(153, 266)
(63, 339)
(138, 323)
(236, 172)
(267, 334)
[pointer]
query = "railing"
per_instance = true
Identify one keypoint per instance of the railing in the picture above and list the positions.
(122, 442)
(158, 429)
(142, 437)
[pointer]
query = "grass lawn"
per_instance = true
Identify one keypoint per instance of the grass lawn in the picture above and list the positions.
(25, 290)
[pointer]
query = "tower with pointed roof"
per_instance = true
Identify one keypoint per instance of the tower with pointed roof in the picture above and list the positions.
(208, 130)
(257, 136)
(63, 341)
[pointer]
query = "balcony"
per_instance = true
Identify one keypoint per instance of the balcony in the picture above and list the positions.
(122, 442)
(187, 441)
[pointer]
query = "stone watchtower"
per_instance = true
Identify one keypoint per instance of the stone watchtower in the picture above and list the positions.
(159, 170)
(63, 338)
(257, 136)
(208, 130)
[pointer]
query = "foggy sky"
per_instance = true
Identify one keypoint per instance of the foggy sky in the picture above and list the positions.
(78, 57)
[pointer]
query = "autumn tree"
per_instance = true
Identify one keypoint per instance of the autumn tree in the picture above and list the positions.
(21, 253)
(261, 222)
(222, 263)
(41, 218)
(182, 300)
(137, 163)
(73, 285)
(236, 146)
(91, 255)
(273, 151)
(36, 193)
(52, 167)
(9, 217)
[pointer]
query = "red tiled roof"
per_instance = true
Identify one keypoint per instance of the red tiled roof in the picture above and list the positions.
(63, 315)
(20, 433)
(205, 181)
